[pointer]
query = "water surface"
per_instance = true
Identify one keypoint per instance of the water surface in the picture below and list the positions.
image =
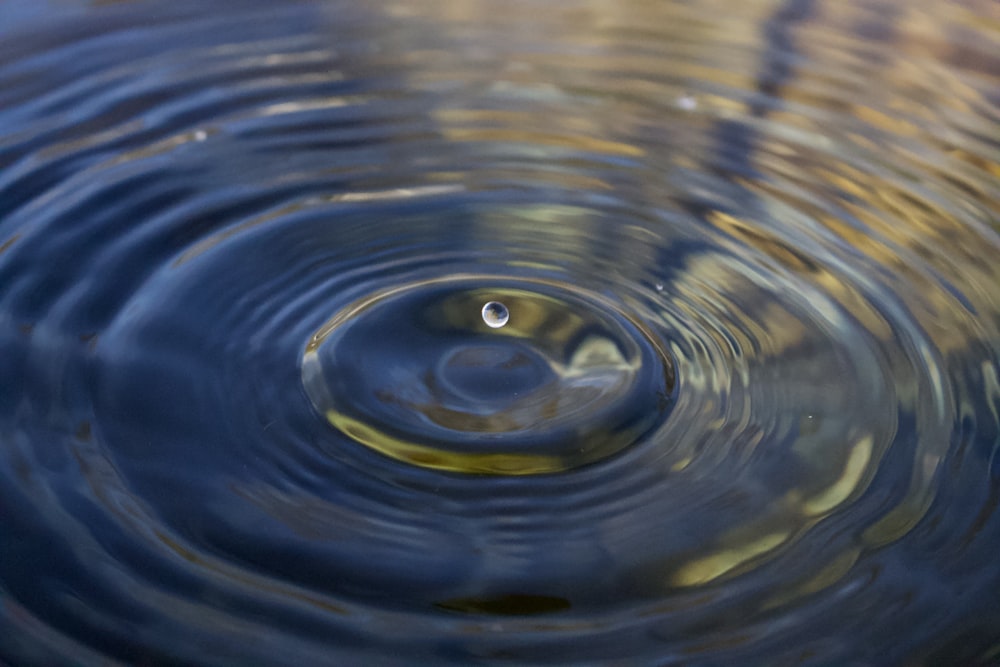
(743, 409)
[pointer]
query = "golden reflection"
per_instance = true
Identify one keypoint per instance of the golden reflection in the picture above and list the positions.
(437, 458)
(707, 568)
(681, 464)
(532, 138)
(855, 470)
(899, 520)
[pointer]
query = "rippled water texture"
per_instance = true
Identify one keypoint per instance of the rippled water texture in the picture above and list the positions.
(736, 404)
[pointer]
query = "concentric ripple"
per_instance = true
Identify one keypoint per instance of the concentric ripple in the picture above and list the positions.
(417, 374)
(431, 333)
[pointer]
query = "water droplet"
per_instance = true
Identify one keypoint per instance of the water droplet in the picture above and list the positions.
(495, 314)
(687, 103)
(659, 287)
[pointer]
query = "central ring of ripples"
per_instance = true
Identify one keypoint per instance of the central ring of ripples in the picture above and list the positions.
(415, 373)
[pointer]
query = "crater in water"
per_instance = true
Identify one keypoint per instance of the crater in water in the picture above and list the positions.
(414, 372)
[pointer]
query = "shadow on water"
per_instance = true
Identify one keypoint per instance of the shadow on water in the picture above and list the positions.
(440, 333)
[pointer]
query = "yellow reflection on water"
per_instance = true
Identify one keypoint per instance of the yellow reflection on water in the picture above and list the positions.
(848, 483)
(436, 458)
(707, 568)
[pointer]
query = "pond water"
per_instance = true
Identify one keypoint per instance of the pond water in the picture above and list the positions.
(631, 333)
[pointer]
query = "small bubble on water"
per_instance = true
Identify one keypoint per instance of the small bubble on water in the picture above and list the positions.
(495, 314)
(200, 135)
(659, 287)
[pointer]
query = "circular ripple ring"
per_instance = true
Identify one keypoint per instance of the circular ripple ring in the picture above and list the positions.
(413, 373)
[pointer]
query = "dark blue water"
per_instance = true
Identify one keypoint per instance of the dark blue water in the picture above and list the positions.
(744, 409)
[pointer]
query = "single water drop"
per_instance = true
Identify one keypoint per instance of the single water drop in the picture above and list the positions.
(495, 314)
